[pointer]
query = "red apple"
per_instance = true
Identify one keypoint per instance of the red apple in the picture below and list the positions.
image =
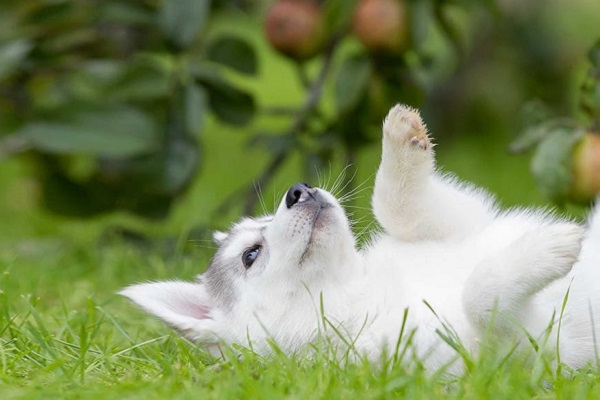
(296, 28)
(382, 25)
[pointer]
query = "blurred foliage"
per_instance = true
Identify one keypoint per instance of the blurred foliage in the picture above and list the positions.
(566, 161)
(109, 98)
(469, 65)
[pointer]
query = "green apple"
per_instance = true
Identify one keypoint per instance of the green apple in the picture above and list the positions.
(585, 164)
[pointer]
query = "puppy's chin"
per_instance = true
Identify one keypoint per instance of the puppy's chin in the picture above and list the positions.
(331, 240)
(329, 226)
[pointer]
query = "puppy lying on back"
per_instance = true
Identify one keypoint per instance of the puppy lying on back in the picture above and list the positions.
(447, 255)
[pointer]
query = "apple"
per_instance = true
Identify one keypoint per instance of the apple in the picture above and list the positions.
(382, 25)
(585, 168)
(296, 28)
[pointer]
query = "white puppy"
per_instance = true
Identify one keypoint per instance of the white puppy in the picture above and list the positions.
(447, 255)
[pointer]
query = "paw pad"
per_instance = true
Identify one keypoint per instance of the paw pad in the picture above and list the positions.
(404, 124)
(422, 143)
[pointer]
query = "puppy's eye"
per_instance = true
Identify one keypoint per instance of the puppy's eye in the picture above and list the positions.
(250, 256)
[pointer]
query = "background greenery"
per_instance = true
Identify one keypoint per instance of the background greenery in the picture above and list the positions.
(63, 331)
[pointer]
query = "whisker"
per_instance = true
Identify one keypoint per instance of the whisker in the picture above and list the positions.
(277, 195)
(349, 181)
(356, 190)
(335, 190)
(205, 247)
(320, 177)
(330, 174)
(325, 184)
(357, 221)
(260, 196)
(337, 181)
(366, 230)
(352, 195)
(357, 207)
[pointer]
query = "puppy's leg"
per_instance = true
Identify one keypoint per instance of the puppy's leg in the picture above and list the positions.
(501, 286)
(411, 201)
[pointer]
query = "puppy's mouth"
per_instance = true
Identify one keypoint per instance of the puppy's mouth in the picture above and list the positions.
(315, 215)
(322, 216)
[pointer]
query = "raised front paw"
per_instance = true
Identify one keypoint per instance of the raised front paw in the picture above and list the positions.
(403, 126)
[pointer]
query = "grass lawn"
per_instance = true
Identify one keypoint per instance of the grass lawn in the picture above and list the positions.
(64, 333)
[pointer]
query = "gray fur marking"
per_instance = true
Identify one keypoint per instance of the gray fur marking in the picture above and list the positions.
(220, 276)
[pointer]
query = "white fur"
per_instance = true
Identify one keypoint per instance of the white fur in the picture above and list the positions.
(448, 256)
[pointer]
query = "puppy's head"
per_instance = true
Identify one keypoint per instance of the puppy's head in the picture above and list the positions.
(264, 276)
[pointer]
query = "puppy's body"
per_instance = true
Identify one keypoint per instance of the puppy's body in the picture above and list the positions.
(447, 258)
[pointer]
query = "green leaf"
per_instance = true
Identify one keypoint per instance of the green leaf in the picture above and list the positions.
(63, 196)
(120, 12)
(93, 79)
(450, 29)
(529, 138)
(537, 132)
(110, 132)
(102, 71)
(230, 104)
(338, 14)
(169, 171)
(421, 20)
(233, 52)
(594, 55)
(12, 54)
(551, 163)
(274, 143)
(181, 164)
(181, 20)
(351, 82)
(143, 80)
(150, 206)
(195, 109)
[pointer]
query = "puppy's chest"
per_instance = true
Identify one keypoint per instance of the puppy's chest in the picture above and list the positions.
(418, 277)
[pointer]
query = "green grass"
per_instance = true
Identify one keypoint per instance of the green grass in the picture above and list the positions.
(65, 334)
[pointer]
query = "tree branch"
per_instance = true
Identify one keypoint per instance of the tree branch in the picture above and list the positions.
(297, 126)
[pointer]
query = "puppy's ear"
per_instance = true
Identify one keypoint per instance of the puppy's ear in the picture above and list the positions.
(185, 306)
(219, 237)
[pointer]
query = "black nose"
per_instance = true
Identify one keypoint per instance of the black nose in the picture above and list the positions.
(295, 193)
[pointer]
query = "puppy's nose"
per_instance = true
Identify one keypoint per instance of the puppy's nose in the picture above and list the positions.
(296, 192)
